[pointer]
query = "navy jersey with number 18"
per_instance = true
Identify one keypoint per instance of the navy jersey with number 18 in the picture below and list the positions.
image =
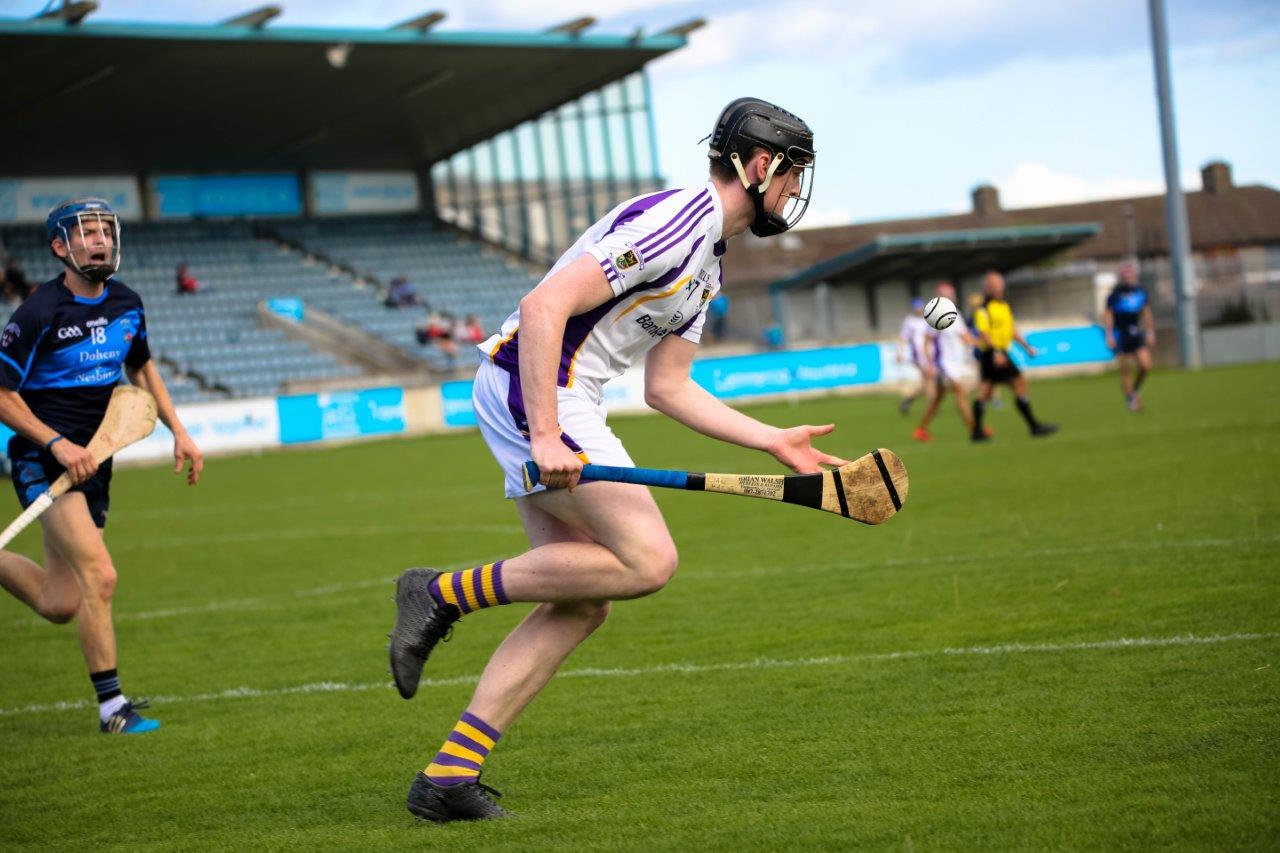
(65, 353)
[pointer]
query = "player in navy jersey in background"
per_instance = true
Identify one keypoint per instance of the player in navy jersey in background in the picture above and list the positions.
(1131, 332)
(61, 354)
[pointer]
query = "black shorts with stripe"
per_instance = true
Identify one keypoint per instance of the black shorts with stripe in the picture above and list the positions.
(35, 469)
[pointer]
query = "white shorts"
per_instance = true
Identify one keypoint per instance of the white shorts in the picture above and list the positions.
(500, 414)
(956, 371)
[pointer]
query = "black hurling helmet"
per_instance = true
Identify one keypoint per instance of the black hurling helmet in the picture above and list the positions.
(750, 123)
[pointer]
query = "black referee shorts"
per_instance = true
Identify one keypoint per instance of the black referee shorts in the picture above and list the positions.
(998, 374)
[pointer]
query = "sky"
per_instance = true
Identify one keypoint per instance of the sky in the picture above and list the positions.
(913, 102)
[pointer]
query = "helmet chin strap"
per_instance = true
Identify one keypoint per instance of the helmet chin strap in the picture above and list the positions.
(764, 224)
(96, 273)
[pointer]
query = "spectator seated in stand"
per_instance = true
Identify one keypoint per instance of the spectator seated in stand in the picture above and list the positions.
(187, 285)
(437, 330)
(473, 332)
(16, 286)
(401, 294)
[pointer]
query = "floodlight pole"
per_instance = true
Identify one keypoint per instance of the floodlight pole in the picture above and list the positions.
(1175, 206)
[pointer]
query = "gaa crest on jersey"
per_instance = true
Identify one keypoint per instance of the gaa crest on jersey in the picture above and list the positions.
(626, 260)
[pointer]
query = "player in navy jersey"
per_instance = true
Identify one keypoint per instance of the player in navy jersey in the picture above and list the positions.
(1131, 332)
(61, 354)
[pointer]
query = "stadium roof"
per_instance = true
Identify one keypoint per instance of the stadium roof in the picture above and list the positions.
(247, 97)
(942, 254)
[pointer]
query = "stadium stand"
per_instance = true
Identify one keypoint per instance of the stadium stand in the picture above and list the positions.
(337, 191)
(451, 272)
(209, 345)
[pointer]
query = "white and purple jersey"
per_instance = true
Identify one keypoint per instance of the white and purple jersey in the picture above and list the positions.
(914, 331)
(952, 356)
(661, 256)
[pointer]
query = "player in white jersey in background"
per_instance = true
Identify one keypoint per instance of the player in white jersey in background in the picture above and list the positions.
(634, 286)
(911, 340)
(950, 351)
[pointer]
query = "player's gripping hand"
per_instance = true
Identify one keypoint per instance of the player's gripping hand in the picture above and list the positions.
(794, 448)
(558, 466)
(183, 449)
(78, 461)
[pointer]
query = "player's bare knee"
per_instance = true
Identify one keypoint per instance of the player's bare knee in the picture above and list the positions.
(100, 580)
(656, 568)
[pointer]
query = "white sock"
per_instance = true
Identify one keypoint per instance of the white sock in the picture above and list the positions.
(109, 707)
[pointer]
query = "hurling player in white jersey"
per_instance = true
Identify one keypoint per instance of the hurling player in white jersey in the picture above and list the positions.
(950, 351)
(911, 340)
(634, 288)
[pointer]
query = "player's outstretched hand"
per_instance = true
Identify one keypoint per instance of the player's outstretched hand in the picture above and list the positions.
(794, 448)
(558, 466)
(78, 461)
(183, 449)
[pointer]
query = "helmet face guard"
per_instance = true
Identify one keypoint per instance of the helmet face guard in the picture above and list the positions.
(93, 221)
(748, 124)
(795, 165)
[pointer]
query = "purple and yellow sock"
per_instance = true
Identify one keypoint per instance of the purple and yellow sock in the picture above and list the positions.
(471, 589)
(463, 754)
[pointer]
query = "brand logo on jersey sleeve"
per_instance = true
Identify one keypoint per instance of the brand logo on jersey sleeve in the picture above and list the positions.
(676, 318)
(626, 260)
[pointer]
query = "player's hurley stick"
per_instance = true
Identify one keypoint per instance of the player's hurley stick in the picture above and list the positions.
(870, 489)
(130, 417)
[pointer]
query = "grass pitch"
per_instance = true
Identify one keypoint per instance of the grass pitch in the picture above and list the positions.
(1068, 643)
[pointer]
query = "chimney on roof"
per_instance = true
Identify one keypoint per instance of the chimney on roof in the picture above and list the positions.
(1216, 177)
(986, 200)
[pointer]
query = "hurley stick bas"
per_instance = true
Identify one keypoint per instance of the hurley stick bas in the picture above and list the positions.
(870, 489)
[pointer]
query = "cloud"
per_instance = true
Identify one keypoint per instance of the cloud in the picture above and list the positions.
(1032, 184)
(917, 41)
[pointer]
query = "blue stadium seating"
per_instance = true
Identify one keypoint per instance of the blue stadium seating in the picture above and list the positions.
(451, 272)
(209, 345)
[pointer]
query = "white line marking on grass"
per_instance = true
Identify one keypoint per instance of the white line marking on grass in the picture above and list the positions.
(697, 668)
(759, 571)
(943, 559)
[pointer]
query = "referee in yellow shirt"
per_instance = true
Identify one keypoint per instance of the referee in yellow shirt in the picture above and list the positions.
(996, 333)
